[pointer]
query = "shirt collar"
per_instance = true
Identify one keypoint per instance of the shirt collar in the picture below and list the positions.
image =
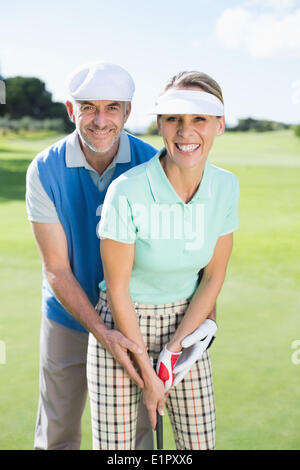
(163, 191)
(75, 156)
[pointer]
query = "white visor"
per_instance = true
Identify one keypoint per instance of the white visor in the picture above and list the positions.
(176, 101)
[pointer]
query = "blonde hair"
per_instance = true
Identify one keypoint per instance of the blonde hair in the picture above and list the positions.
(195, 79)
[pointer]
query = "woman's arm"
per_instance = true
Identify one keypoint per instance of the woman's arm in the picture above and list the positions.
(117, 259)
(53, 247)
(206, 294)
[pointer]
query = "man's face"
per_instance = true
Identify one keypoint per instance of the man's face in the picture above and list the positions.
(99, 123)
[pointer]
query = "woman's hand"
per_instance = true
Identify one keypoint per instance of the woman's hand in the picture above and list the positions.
(165, 365)
(154, 397)
(194, 346)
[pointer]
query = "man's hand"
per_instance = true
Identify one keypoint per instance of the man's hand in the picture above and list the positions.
(165, 365)
(194, 346)
(118, 345)
(154, 398)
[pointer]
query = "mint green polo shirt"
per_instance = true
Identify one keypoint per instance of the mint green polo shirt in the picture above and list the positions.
(173, 240)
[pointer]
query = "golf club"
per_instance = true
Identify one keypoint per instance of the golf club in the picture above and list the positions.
(159, 431)
(159, 422)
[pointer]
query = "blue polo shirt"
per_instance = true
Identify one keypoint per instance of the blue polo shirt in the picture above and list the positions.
(77, 201)
(173, 240)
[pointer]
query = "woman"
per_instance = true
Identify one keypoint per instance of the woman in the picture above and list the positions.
(162, 222)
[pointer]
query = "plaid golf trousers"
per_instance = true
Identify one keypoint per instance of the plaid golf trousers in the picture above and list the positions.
(114, 397)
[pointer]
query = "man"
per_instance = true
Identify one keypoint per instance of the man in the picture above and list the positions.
(66, 186)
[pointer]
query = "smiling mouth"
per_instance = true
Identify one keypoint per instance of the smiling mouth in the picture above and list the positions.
(188, 148)
(98, 133)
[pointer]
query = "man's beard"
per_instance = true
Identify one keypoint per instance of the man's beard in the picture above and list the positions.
(84, 137)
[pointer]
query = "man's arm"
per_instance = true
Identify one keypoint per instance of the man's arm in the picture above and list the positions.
(52, 244)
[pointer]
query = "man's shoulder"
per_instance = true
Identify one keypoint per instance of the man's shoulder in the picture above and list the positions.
(137, 142)
(52, 150)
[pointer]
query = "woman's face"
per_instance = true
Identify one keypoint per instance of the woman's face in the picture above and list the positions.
(188, 138)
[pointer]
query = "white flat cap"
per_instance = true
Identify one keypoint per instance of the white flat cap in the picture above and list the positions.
(101, 81)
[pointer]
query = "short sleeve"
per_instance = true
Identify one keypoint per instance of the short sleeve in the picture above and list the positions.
(39, 206)
(231, 221)
(116, 221)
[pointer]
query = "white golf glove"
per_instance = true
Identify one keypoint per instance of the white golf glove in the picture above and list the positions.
(164, 368)
(194, 346)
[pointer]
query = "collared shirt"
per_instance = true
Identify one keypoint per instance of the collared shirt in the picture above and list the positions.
(76, 158)
(173, 239)
(40, 208)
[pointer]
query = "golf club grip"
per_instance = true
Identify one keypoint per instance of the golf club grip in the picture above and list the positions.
(159, 431)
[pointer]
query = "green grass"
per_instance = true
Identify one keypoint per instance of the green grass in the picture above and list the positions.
(256, 383)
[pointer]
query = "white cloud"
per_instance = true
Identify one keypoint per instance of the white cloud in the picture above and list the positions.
(273, 4)
(261, 34)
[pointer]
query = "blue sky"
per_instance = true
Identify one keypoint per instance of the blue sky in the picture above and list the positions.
(251, 47)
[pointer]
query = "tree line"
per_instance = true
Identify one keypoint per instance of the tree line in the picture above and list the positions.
(29, 106)
(245, 125)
